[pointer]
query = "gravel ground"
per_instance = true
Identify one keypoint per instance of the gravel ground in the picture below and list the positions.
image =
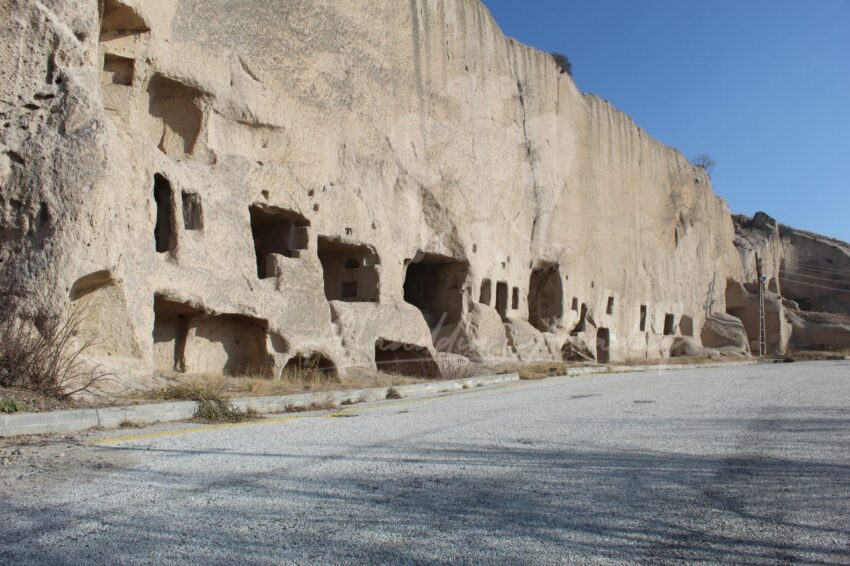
(742, 465)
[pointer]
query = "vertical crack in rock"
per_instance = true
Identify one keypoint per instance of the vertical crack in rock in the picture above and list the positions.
(532, 162)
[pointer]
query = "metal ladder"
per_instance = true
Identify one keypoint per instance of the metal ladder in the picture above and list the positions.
(762, 320)
(762, 279)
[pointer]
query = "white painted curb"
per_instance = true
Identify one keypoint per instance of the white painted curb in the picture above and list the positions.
(64, 422)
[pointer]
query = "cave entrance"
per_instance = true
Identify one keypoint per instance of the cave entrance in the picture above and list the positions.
(502, 299)
(122, 31)
(276, 232)
(350, 271)
(434, 285)
(170, 331)
(486, 295)
(405, 359)
(233, 344)
(546, 298)
(669, 324)
(164, 229)
(310, 368)
(603, 345)
(686, 326)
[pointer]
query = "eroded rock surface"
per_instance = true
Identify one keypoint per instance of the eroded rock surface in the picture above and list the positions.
(236, 186)
(725, 331)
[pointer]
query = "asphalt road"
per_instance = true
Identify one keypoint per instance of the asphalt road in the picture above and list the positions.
(735, 465)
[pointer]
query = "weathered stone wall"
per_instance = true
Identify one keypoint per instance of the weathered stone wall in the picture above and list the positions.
(807, 276)
(161, 144)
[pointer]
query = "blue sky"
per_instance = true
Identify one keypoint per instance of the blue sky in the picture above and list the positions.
(761, 85)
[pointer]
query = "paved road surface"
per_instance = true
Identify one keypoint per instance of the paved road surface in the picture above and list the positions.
(743, 465)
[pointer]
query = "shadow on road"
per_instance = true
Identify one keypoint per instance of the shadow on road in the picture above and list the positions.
(418, 502)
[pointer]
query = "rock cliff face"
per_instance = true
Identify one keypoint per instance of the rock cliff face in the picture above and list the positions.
(234, 186)
(808, 286)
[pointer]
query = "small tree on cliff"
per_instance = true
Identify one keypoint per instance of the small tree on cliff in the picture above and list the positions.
(563, 63)
(705, 162)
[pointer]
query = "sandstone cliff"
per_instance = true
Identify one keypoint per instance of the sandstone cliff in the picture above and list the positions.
(808, 286)
(232, 186)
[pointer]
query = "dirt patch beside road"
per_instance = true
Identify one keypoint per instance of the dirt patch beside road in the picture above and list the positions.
(31, 464)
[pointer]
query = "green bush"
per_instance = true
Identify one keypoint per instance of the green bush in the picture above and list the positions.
(563, 63)
(10, 406)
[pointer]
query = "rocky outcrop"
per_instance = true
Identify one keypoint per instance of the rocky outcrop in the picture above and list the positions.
(815, 271)
(335, 180)
(688, 348)
(819, 331)
(725, 331)
(807, 278)
(576, 350)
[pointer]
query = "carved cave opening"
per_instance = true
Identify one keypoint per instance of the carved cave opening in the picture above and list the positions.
(405, 359)
(350, 271)
(546, 298)
(276, 232)
(434, 285)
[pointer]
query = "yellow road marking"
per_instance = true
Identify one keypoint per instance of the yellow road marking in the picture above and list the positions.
(190, 430)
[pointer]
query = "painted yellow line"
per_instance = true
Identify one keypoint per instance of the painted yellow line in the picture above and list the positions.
(191, 430)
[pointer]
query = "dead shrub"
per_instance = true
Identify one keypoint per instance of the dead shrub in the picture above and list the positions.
(458, 368)
(212, 408)
(542, 370)
(185, 392)
(47, 358)
(222, 411)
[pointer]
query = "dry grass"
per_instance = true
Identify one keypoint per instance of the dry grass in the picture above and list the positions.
(212, 407)
(190, 391)
(194, 387)
(542, 370)
(49, 359)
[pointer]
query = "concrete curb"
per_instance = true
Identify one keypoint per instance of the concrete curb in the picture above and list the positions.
(675, 367)
(64, 422)
(604, 370)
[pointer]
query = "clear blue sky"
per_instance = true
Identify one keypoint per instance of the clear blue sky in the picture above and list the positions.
(761, 85)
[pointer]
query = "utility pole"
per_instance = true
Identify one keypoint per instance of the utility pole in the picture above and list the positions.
(762, 324)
